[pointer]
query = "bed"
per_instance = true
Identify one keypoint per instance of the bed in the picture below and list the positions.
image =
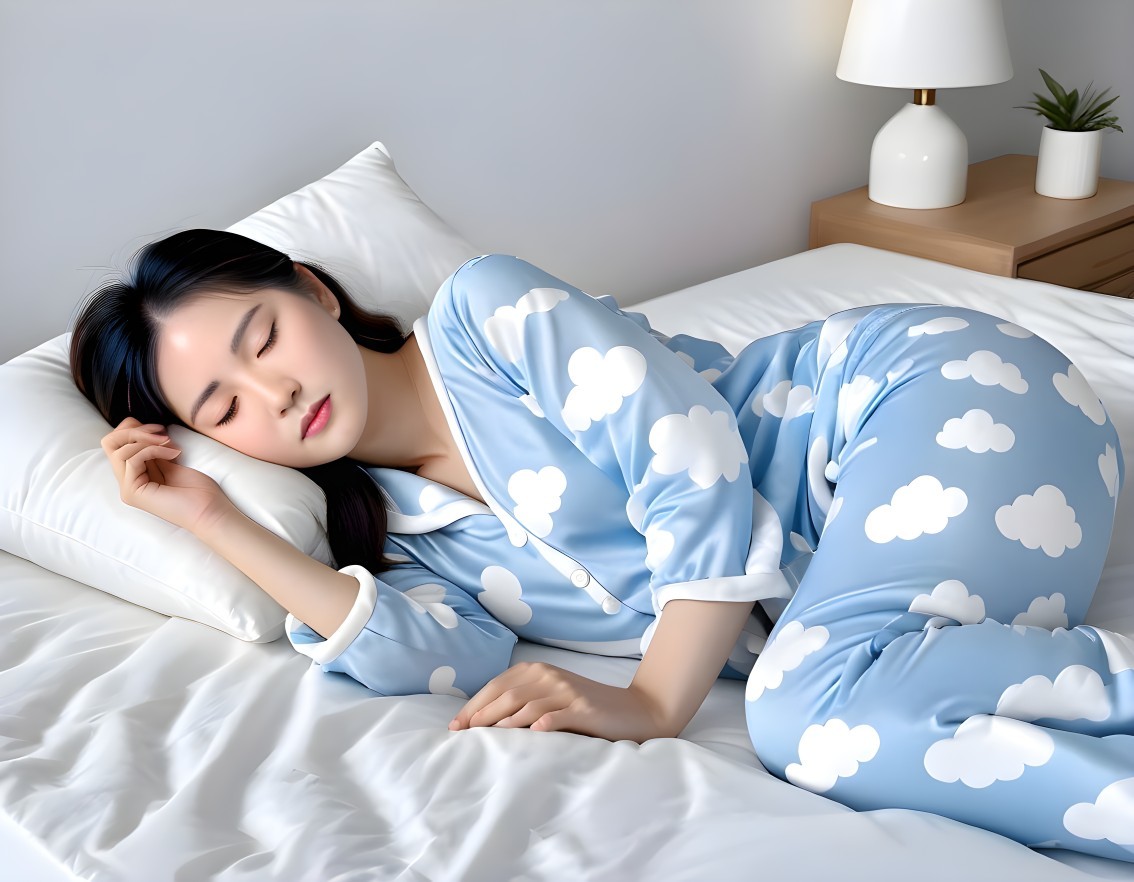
(141, 746)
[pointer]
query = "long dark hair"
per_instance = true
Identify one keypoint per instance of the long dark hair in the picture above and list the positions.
(114, 347)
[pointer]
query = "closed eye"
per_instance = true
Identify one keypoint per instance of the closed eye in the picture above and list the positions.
(270, 343)
(227, 418)
(233, 407)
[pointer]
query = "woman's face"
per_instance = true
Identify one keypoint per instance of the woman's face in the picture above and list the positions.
(272, 374)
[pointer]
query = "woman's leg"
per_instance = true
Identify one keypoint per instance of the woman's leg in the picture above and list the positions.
(932, 657)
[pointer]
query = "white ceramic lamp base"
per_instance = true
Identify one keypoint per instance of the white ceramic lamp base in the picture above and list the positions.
(920, 159)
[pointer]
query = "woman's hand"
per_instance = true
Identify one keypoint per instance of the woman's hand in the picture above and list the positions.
(548, 699)
(149, 479)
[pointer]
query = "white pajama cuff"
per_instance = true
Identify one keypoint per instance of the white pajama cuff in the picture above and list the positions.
(329, 649)
(752, 586)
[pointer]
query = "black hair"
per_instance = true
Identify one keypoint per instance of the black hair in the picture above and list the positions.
(114, 347)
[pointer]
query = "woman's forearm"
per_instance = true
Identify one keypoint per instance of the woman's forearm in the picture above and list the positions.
(692, 641)
(313, 592)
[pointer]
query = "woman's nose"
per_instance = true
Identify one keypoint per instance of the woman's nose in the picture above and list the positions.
(278, 393)
(285, 395)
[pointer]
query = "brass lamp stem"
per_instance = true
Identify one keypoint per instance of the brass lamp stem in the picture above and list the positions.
(924, 96)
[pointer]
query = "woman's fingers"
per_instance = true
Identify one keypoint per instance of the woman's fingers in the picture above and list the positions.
(562, 719)
(120, 455)
(488, 693)
(493, 709)
(118, 438)
(135, 473)
(509, 695)
(529, 713)
(516, 707)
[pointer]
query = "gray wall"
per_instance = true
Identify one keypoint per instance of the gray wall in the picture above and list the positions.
(1077, 42)
(630, 146)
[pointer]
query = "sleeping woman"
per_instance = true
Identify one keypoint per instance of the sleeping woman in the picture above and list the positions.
(888, 522)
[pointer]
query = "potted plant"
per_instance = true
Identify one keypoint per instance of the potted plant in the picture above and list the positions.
(1071, 142)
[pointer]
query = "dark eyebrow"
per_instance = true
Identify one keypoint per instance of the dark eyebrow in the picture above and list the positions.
(209, 390)
(242, 327)
(237, 337)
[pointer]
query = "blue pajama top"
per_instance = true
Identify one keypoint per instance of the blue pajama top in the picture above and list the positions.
(622, 469)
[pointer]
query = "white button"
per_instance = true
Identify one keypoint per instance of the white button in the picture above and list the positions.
(611, 605)
(580, 578)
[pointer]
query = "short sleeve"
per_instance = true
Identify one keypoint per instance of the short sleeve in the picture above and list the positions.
(410, 632)
(638, 411)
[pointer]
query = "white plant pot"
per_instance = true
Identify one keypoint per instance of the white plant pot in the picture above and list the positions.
(1068, 166)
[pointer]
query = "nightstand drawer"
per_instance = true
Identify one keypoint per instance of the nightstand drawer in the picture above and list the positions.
(1086, 263)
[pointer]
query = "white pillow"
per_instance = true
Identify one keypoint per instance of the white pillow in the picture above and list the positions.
(59, 502)
(369, 230)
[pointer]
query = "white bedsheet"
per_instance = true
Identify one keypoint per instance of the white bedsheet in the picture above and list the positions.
(137, 747)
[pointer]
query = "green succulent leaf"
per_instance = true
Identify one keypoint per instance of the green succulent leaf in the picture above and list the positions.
(1094, 111)
(1073, 111)
(1053, 86)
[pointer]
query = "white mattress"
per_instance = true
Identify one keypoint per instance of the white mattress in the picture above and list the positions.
(138, 747)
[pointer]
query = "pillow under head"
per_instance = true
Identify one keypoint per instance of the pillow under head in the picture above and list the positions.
(59, 501)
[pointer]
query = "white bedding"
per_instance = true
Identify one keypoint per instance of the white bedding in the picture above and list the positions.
(139, 747)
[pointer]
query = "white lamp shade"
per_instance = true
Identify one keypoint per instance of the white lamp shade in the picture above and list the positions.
(925, 44)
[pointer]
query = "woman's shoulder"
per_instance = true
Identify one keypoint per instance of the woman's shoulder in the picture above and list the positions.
(482, 286)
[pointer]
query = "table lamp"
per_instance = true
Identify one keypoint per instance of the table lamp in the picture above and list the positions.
(920, 158)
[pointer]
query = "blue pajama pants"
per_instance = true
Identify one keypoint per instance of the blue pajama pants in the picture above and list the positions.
(933, 656)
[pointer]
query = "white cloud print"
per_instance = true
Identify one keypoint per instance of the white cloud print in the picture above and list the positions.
(952, 600)
(1108, 468)
(659, 545)
(899, 370)
(829, 752)
(441, 682)
(537, 495)
(792, 645)
(431, 497)
(1045, 612)
(502, 596)
(1076, 391)
(921, 506)
(430, 599)
(705, 444)
(1042, 520)
(988, 369)
(938, 326)
(976, 432)
(531, 404)
(1111, 816)
(785, 401)
(602, 383)
(504, 328)
(986, 749)
(1077, 693)
(1011, 330)
(817, 463)
(854, 397)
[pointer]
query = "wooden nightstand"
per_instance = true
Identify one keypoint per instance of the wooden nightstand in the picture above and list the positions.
(1003, 227)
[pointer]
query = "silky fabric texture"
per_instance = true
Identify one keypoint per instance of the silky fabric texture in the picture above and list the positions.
(931, 657)
(614, 476)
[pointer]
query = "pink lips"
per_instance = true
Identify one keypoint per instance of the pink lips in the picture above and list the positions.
(316, 418)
